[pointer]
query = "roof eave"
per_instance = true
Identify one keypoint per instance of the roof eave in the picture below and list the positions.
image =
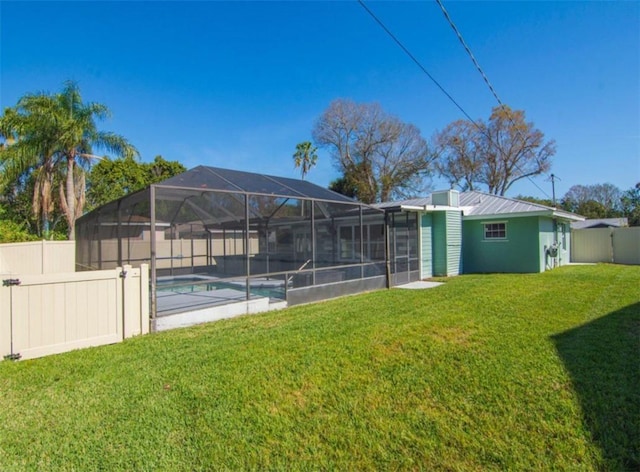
(549, 213)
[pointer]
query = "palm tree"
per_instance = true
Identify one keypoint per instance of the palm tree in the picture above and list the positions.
(29, 149)
(305, 157)
(55, 135)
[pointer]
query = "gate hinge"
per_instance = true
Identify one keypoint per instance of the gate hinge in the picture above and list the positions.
(12, 357)
(10, 282)
(123, 274)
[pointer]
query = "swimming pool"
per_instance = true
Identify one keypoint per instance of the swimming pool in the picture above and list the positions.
(271, 288)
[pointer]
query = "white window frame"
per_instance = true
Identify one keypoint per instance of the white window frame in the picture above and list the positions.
(485, 230)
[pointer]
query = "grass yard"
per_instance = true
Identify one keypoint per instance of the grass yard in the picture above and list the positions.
(487, 372)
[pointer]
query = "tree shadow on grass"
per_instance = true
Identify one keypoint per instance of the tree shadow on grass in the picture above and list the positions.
(603, 359)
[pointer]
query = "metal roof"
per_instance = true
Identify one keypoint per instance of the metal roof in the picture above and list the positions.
(477, 204)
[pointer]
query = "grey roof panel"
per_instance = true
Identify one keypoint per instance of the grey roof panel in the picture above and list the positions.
(216, 178)
(479, 203)
(487, 204)
(601, 223)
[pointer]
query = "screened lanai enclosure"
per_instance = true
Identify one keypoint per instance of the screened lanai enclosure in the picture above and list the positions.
(216, 237)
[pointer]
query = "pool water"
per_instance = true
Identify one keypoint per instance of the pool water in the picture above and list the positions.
(196, 284)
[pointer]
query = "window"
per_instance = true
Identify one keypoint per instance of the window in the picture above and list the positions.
(495, 231)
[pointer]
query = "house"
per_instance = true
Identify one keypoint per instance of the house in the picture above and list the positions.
(600, 223)
(221, 242)
(475, 232)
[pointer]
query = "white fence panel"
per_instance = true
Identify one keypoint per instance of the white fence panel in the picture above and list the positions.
(38, 257)
(626, 245)
(54, 313)
(591, 245)
(618, 245)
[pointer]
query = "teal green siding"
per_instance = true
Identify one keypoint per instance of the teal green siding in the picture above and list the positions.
(565, 242)
(454, 242)
(519, 252)
(439, 244)
(446, 243)
(426, 259)
(547, 239)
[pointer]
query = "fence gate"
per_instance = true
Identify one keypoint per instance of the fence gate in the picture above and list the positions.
(54, 313)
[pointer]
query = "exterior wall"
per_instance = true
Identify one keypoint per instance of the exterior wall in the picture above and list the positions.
(447, 243)
(518, 253)
(547, 238)
(454, 243)
(439, 244)
(426, 246)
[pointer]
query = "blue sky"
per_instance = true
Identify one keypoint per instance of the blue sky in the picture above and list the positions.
(239, 84)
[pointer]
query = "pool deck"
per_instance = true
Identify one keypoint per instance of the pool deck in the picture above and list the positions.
(172, 302)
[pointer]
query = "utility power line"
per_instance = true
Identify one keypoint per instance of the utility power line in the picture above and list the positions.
(442, 89)
(416, 61)
(466, 48)
(484, 77)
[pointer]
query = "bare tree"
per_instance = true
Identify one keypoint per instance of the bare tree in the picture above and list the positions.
(495, 154)
(460, 154)
(381, 156)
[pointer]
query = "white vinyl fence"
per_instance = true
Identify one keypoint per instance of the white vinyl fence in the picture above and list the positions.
(617, 245)
(38, 257)
(42, 314)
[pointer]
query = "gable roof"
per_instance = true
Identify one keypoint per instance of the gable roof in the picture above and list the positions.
(601, 223)
(476, 205)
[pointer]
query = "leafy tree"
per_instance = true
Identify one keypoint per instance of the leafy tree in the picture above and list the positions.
(305, 157)
(630, 205)
(539, 201)
(593, 201)
(161, 169)
(591, 209)
(381, 156)
(28, 154)
(344, 186)
(495, 154)
(17, 205)
(12, 232)
(54, 136)
(109, 179)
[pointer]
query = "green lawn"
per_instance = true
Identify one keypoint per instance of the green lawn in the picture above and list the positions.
(487, 372)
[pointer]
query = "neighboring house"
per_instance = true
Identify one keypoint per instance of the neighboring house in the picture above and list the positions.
(600, 223)
(475, 232)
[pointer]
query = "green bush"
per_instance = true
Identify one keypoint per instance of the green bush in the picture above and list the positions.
(12, 232)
